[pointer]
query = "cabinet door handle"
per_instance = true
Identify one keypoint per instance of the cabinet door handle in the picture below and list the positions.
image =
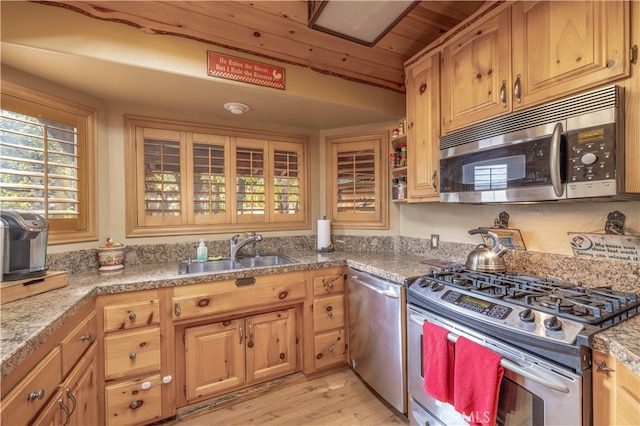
(250, 342)
(85, 337)
(602, 366)
(177, 310)
(36, 395)
(503, 94)
(241, 332)
(67, 419)
(73, 399)
(516, 89)
(132, 356)
(434, 182)
(132, 316)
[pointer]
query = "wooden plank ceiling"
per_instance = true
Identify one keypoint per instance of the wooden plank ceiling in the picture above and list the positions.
(278, 30)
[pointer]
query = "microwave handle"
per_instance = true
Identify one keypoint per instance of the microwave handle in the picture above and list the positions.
(556, 181)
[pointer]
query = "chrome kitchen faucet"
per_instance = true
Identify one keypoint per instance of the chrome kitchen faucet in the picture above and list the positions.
(235, 246)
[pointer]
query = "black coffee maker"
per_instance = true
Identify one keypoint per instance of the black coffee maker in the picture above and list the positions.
(24, 245)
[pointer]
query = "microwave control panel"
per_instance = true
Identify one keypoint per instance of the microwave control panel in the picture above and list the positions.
(591, 154)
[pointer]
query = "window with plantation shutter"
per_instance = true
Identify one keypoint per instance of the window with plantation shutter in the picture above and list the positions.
(187, 178)
(47, 162)
(357, 183)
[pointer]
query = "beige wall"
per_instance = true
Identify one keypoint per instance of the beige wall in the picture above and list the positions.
(543, 227)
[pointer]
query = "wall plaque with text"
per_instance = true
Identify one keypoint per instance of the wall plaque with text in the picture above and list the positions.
(240, 69)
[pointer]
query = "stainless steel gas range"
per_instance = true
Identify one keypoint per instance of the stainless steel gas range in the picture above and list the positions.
(540, 326)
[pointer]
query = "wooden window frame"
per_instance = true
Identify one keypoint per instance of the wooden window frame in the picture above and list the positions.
(187, 223)
(85, 227)
(379, 143)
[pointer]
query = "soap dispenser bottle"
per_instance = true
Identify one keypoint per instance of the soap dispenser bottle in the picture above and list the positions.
(201, 253)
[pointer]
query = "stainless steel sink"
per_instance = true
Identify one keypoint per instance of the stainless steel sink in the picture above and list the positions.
(257, 261)
(209, 266)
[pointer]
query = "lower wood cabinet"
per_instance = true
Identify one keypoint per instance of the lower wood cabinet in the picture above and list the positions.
(616, 392)
(134, 401)
(231, 354)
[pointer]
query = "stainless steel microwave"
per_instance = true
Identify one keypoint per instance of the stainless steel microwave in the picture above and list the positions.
(569, 149)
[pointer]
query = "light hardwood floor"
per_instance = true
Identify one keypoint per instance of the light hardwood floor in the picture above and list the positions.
(339, 398)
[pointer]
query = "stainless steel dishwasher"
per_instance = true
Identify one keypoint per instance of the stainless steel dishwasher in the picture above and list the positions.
(377, 335)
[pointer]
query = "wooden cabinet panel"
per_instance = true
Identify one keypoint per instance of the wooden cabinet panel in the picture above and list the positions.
(423, 129)
(561, 47)
(133, 352)
(204, 299)
(476, 73)
(328, 284)
(131, 315)
(616, 392)
(77, 342)
(214, 356)
(331, 348)
(134, 402)
(33, 392)
(271, 345)
(328, 313)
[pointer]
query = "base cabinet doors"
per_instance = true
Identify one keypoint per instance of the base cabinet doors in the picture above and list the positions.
(228, 355)
(215, 358)
(616, 392)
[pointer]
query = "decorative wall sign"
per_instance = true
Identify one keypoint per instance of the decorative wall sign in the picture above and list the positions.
(623, 248)
(240, 69)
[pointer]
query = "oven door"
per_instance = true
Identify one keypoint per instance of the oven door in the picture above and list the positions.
(533, 392)
(528, 165)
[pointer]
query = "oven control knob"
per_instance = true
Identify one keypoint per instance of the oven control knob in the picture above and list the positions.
(588, 158)
(527, 315)
(553, 324)
(436, 287)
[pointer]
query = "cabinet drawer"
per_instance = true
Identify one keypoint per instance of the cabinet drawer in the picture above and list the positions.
(131, 353)
(134, 402)
(33, 392)
(330, 348)
(328, 313)
(131, 315)
(77, 343)
(211, 298)
(328, 284)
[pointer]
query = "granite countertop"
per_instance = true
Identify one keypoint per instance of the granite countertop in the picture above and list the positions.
(26, 324)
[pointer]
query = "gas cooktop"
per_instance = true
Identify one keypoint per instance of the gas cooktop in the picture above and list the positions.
(522, 304)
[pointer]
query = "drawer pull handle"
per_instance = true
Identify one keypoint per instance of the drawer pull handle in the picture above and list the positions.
(330, 285)
(240, 282)
(67, 419)
(132, 356)
(36, 395)
(329, 314)
(330, 349)
(177, 309)
(136, 404)
(283, 295)
(85, 337)
(132, 316)
(73, 399)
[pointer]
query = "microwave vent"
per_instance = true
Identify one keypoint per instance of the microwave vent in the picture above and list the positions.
(596, 100)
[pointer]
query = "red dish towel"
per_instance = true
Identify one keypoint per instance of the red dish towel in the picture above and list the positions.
(477, 378)
(438, 355)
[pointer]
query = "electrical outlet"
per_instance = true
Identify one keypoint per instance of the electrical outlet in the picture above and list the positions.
(435, 241)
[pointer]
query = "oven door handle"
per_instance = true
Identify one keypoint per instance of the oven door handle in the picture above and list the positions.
(532, 371)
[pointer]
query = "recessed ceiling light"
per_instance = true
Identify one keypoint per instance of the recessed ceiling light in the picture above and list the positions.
(236, 107)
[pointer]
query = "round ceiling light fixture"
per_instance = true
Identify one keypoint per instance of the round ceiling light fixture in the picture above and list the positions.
(236, 107)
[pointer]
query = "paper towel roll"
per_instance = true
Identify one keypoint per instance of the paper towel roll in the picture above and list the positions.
(324, 234)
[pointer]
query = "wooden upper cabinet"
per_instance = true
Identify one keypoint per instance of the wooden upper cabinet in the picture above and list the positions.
(476, 72)
(423, 128)
(562, 47)
(531, 52)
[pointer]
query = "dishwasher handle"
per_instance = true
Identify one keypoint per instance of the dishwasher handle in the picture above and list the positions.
(385, 292)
